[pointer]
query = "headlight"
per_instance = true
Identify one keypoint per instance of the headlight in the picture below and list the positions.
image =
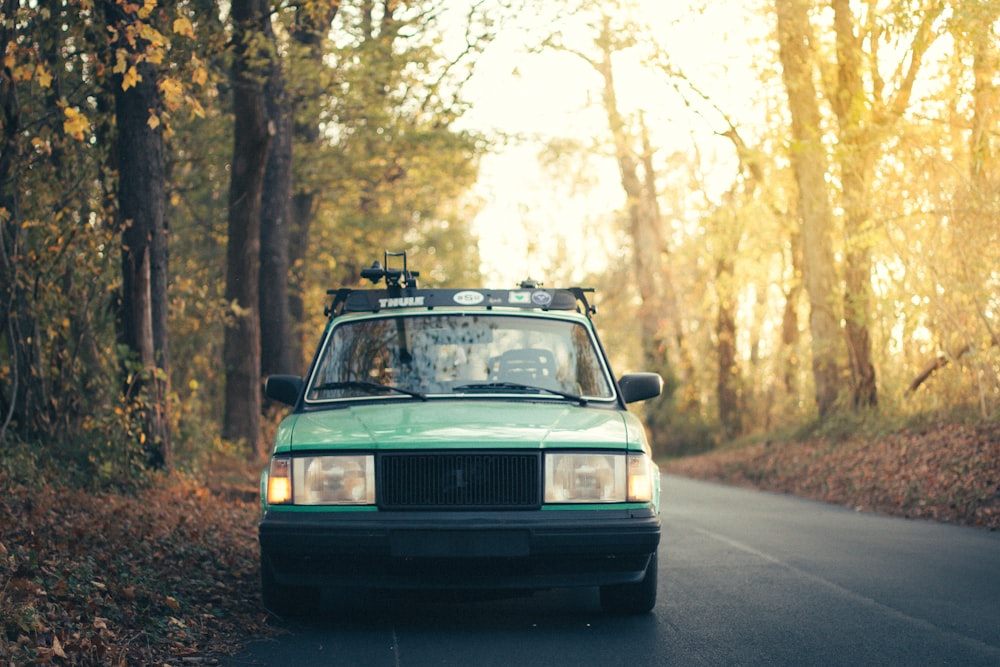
(584, 478)
(322, 480)
(598, 478)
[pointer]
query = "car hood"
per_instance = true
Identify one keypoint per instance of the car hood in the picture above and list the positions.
(460, 425)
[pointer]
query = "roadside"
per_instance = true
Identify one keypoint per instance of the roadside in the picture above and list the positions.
(945, 472)
(165, 576)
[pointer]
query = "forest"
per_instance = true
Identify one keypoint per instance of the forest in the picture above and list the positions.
(182, 180)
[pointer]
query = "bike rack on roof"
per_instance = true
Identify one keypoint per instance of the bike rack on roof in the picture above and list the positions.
(394, 278)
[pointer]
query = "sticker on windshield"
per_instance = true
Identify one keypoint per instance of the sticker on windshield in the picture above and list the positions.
(468, 298)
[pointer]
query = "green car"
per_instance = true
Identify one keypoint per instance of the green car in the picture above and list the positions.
(459, 440)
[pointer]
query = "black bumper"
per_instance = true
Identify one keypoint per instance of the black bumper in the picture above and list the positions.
(452, 550)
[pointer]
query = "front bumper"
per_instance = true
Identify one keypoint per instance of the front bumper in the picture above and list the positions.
(459, 550)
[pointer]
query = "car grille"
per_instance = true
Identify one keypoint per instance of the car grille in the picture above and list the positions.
(449, 480)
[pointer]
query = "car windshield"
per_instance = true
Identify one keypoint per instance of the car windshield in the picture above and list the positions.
(473, 354)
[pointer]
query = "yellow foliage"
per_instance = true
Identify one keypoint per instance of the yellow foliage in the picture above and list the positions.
(75, 123)
(23, 72)
(121, 61)
(41, 145)
(131, 78)
(172, 91)
(199, 76)
(183, 27)
(151, 35)
(196, 108)
(43, 76)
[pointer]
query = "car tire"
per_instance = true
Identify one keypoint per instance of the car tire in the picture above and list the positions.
(282, 600)
(628, 599)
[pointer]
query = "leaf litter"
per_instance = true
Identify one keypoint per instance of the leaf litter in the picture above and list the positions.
(944, 472)
(166, 575)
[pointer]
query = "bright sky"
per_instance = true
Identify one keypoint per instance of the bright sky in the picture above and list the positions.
(528, 212)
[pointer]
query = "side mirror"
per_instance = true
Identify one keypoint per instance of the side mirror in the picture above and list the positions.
(640, 386)
(283, 388)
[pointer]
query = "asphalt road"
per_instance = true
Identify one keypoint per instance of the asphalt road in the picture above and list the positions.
(746, 578)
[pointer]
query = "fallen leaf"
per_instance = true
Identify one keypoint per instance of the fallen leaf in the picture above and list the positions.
(57, 648)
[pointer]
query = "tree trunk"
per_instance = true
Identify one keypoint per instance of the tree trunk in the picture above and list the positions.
(725, 329)
(142, 217)
(809, 166)
(312, 24)
(13, 397)
(985, 98)
(646, 241)
(303, 214)
(275, 323)
(856, 154)
(241, 354)
(689, 400)
(790, 319)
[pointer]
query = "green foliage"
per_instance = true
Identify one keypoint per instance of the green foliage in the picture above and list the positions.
(105, 450)
(398, 170)
(677, 432)
(58, 270)
(65, 384)
(200, 153)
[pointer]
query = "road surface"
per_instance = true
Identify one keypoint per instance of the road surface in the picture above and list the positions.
(746, 578)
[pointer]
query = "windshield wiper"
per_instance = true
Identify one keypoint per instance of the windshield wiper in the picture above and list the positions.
(373, 387)
(517, 386)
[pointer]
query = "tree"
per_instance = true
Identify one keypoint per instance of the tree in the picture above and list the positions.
(727, 376)
(738, 203)
(275, 221)
(142, 218)
(863, 120)
(638, 179)
(674, 420)
(283, 275)
(253, 45)
(973, 28)
(809, 163)
(10, 227)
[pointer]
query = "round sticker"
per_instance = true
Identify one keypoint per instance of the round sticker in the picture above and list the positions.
(541, 298)
(468, 298)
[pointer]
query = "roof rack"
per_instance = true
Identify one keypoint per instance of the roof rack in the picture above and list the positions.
(401, 292)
